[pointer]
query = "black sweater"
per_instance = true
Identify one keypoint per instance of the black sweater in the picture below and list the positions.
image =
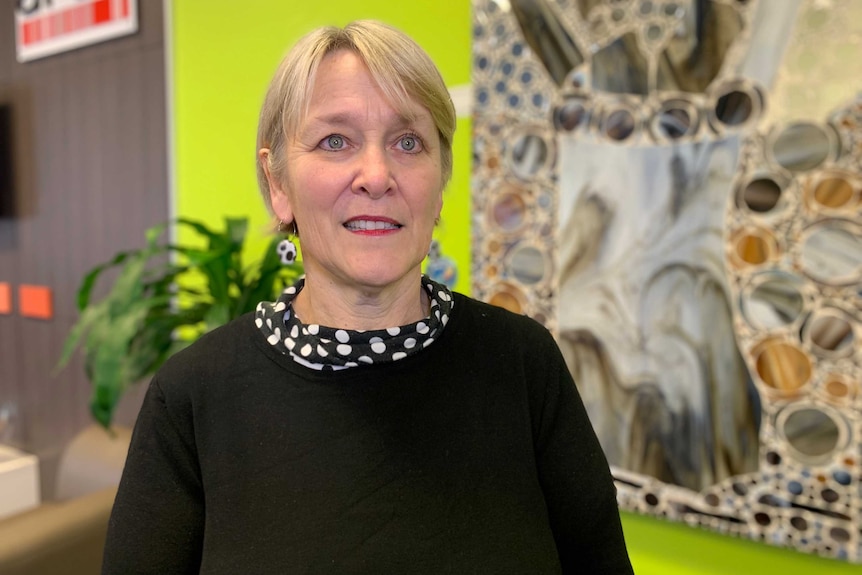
(472, 456)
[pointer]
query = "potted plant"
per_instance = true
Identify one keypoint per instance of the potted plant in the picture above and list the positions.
(164, 297)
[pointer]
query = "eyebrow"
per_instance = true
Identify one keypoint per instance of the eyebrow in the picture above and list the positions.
(347, 118)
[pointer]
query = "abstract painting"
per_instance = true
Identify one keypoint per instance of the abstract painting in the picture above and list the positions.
(694, 247)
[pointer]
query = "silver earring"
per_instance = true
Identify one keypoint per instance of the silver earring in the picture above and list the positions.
(286, 249)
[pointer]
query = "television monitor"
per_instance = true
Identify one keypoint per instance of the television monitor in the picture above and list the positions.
(7, 180)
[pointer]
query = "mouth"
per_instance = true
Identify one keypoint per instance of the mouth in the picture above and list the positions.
(365, 224)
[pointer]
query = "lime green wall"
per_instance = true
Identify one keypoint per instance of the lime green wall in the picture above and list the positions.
(665, 548)
(224, 53)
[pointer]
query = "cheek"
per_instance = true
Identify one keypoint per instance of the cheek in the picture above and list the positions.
(313, 194)
(431, 208)
(314, 180)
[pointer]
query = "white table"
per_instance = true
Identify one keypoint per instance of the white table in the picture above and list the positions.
(19, 481)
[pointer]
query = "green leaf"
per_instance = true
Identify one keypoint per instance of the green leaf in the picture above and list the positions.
(154, 306)
(88, 317)
(110, 372)
(90, 279)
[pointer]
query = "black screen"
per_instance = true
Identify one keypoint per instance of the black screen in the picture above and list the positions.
(7, 193)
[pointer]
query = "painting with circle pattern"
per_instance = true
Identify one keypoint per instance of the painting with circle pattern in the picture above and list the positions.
(674, 188)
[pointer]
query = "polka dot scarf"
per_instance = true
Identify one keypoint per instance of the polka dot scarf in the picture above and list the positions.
(327, 348)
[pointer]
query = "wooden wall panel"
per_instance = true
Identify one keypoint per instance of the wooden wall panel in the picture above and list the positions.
(91, 177)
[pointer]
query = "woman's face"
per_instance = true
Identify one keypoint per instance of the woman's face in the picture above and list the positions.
(363, 183)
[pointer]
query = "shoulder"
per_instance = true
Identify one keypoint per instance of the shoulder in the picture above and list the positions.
(485, 315)
(214, 354)
(493, 324)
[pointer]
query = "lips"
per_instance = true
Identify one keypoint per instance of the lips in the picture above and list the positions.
(366, 224)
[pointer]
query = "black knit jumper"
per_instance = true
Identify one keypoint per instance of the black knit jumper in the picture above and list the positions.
(473, 456)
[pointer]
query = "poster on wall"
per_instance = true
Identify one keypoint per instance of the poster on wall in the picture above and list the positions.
(47, 27)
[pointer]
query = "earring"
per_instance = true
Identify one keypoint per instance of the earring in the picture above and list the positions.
(286, 249)
(434, 250)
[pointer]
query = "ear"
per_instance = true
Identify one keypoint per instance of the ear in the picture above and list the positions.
(277, 194)
(438, 208)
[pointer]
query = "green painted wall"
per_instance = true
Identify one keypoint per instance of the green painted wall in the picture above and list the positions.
(665, 548)
(224, 54)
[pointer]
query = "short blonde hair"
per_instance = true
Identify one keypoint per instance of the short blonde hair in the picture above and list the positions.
(399, 66)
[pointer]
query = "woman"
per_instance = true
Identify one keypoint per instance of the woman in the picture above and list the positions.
(369, 421)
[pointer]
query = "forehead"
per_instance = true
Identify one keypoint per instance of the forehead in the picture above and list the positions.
(342, 75)
(343, 80)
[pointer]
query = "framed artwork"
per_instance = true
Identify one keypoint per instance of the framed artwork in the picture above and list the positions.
(662, 184)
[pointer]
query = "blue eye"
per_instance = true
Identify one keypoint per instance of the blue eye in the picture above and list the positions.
(409, 143)
(334, 142)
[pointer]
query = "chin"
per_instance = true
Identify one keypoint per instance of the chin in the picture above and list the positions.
(383, 274)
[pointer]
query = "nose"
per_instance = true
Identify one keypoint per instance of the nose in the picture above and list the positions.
(374, 173)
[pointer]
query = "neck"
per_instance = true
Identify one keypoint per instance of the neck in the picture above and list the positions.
(365, 308)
